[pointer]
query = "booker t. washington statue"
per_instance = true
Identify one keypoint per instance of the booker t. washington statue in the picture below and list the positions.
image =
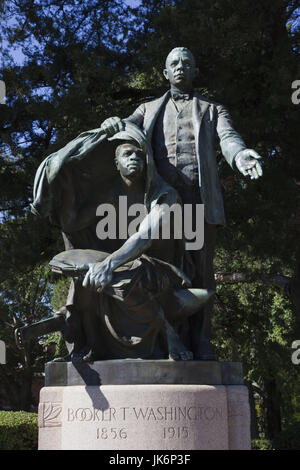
(183, 127)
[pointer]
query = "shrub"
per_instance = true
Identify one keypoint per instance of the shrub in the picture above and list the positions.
(18, 430)
(289, 439)
(261, 444)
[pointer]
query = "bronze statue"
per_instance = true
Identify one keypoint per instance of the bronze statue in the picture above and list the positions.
(145, 297)
(182, 127)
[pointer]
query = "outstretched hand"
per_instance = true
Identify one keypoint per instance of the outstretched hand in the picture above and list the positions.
(98, 276)
(247, 163)
(112, 126)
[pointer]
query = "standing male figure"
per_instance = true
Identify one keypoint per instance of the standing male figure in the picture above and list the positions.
(183, 126)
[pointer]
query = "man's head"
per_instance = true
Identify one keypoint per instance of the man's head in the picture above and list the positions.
(130, 160)
(180, 68)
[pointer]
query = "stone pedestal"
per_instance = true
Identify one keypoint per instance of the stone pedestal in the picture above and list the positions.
(148, 405)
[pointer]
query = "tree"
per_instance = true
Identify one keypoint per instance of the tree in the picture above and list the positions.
(24, 299)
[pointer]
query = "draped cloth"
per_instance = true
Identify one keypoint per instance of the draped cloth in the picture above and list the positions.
(69, 186)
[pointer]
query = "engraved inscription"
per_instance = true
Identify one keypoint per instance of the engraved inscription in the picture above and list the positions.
(176, 413)
(117, 424)
(111, 433)
(91, 414)
(176, 433)
(202, 413)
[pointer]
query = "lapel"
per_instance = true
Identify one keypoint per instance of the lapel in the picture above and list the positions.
(153, 109)
(199, 109)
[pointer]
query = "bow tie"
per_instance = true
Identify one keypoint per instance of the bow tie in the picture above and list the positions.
(181, 96)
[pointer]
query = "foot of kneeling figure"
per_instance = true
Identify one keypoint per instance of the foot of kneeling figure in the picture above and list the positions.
(190, 300)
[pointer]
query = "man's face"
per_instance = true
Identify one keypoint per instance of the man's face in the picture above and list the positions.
(180, 70)
(130, 160)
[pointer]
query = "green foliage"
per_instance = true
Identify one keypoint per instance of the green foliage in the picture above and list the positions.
(289, 439)
(60, 347)
(255, 324)
(59, 296)
(261, 444)
(24, 298)
(18, 430)
(60, 292)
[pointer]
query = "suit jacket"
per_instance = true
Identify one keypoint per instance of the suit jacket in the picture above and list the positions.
(211, 121)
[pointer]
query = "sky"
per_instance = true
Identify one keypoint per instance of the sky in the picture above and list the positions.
(133, 3)
(19, 57)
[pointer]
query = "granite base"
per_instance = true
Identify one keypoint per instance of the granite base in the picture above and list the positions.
(148, 405)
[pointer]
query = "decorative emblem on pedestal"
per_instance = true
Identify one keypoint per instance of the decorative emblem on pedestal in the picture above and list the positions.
(50, 414)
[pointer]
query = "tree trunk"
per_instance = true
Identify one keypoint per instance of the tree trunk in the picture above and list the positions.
(253, 415)
(232, 278)
(11, 389)
(271, 405)
(25, 396)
